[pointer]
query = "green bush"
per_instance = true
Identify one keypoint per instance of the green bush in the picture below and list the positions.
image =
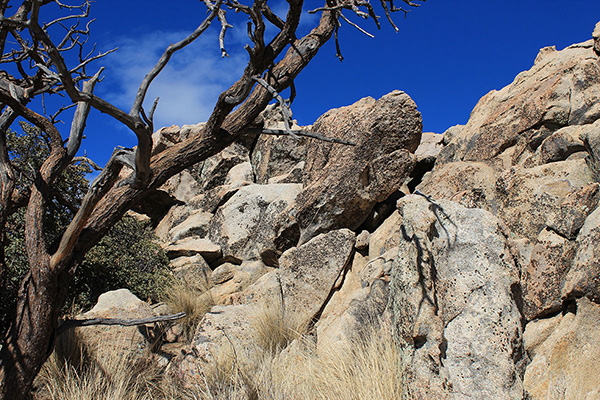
(127, 257)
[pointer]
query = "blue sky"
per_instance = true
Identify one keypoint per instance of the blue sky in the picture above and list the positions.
(447, 55)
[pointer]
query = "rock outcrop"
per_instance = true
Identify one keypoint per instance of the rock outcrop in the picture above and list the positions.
(385, 133)
(478, 246)
(528, 154)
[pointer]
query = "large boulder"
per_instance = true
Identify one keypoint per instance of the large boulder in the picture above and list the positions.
(429, 147)
(193, 271)
(214, 170)
(196, 224)
(175, 216)
(274, 156)
(555, 266)
(452, 301)
(307, 275)
(542, 280)
(243, 226)
(182, 186)
(342, 183)
(192, 246)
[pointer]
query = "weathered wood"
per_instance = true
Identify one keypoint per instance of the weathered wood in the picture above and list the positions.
(75, 323)
(313, 135)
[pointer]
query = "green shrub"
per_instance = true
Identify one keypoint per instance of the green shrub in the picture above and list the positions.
(127, 257)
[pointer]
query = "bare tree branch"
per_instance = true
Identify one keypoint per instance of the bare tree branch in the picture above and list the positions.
(356, 26)
(313, 135)
(224, 27)
(87, 160)
(285, 108)
(85, 7)
(36, 119)
(88, 59)
(80, 118)
(271, 16)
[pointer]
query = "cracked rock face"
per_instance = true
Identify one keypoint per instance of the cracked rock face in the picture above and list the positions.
(386, 133)
(452, 301)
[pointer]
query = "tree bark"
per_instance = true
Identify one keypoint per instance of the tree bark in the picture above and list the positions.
(7, 186)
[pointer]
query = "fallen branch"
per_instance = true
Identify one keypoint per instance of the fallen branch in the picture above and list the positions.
(73, 323)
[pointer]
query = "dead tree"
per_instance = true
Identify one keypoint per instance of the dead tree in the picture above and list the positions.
(37, 64)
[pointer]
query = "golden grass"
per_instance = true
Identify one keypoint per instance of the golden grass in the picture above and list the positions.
(72, 373)
(371, 367)
(194, 300)
(225, 377)
(285, 364)
(273, 329)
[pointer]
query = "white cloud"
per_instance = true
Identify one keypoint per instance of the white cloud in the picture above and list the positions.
(194, 77)
(188, 87)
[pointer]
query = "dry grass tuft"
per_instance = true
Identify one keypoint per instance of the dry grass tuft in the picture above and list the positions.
(273, 329)
(226, 377)
(285, 364)
(194, 300)
(371, 367)
(72, 373)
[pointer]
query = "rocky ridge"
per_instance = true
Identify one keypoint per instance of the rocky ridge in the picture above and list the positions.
(478, 246)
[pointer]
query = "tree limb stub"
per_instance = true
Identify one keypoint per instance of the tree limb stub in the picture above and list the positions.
(285, 108)
(312, 135)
